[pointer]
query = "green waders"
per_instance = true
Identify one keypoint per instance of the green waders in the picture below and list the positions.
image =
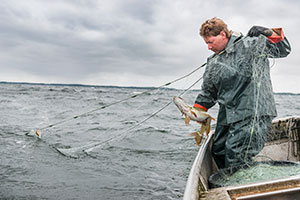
(237, 143)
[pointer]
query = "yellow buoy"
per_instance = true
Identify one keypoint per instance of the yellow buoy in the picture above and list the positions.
(37, 132)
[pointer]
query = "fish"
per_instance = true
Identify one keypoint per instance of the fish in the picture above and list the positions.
(191, 113)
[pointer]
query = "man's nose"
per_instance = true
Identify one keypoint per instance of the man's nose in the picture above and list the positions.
(209, 46)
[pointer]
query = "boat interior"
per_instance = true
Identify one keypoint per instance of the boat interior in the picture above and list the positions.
(283, 145)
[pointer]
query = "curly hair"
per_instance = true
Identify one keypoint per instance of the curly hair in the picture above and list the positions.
(213, 27)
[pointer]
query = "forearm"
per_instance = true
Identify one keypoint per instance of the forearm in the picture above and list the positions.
(279, 44)
(205, 100)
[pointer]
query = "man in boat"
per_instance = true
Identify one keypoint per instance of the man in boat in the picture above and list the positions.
(237, 76)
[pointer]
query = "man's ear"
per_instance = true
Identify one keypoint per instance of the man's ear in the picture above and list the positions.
(223, 34)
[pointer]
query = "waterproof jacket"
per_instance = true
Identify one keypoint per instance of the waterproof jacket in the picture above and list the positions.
(238, 78)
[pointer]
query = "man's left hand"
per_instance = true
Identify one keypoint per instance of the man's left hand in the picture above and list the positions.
(255, 31)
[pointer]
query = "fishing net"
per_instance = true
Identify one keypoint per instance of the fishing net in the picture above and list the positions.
(253, 172)
(135, 120)
(159, 98)
(246, 92)
(253, 72)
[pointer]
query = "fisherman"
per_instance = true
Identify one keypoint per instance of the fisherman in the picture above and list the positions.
(237, 76)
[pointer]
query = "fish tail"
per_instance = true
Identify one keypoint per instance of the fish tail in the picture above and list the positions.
(207, 126)
(198, 135)
(198, 138)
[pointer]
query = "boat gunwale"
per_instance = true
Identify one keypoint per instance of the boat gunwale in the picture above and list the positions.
(194, 175)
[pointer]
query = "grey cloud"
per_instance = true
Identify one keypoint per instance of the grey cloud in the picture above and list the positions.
(76, 40)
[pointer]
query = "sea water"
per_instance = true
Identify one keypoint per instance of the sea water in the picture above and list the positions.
(153, 162)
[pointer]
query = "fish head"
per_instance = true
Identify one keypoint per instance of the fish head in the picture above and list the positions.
(180, 103)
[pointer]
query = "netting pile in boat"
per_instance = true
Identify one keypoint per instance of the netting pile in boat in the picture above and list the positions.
(254, 172)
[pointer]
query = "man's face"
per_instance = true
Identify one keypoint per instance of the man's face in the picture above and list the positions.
(216, 43)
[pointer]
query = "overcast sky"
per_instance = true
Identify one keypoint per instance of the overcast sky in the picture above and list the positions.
(130, 42)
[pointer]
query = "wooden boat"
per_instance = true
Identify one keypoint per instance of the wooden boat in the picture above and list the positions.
(283, 145)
